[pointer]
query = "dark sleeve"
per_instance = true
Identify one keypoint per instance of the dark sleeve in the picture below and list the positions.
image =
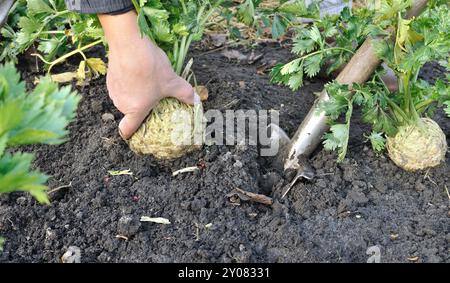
(100, 6)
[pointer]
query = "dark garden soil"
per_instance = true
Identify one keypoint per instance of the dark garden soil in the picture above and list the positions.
(362, 202)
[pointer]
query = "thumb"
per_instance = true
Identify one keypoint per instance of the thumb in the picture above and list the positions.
(185, 93)
(130, 124)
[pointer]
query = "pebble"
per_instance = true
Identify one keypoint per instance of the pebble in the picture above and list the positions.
(128, 226)
(107, 117)
(358, 197)
(237, 164)
(79, 215)
(50, 234)
(226, 156)
(21, 201)
(96, 106)
(72, 255)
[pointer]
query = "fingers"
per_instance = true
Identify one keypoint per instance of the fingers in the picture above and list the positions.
(183, 91)
(130, 124)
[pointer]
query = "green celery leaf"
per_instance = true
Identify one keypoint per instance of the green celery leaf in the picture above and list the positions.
(38, 6)
(377, 141)
(312, 65)
(15, 175)
(278, 27)
(303, 46)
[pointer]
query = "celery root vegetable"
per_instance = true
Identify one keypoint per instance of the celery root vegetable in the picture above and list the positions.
(416, 142)
(170, 130)
(418, 147)
(173, 128)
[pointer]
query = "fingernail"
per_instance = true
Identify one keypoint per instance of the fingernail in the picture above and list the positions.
(196, 98)
(121, 134)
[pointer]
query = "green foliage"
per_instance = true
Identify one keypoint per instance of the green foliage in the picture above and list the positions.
(39, 117)
(276, 18)
(9, 31)
(51, 28)
(174, 24)
(341, 101)
(377, 141)
(331, 41)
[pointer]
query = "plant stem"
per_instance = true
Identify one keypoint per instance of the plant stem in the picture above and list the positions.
(53, 32)
(325, 50)
(377, 75)
(348, 117)
(406, 93)
(423, 104)
(67, 55)
(136, 6)
(179, 60)
(396, 109)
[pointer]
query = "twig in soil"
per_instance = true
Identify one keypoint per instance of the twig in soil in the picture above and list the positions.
(185, 170)
(122, 237)
(60, 188)
(294, 181)
(226, 45)
(158, 220)
(212, 50)
(197, 232)
(326, 174)
(394, 236)
(119, 173)
(36, 62)
(244, 195)
(427, 176)
(12, 223)
(448, 194)
(231, 103)
(109, 140)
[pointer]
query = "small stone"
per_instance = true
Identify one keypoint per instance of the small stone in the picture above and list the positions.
(21, 201)
(394, 236)
(107, 117)
(358, 197)
(96, 106)
(50, 234)
(380, 186)
(419, 186)
(226, 156)
(72, 255)
(128, 226)
(202, 92)
(79, 215)
(237, 164)
(413, 258)
(321, 183)
(218, 39)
